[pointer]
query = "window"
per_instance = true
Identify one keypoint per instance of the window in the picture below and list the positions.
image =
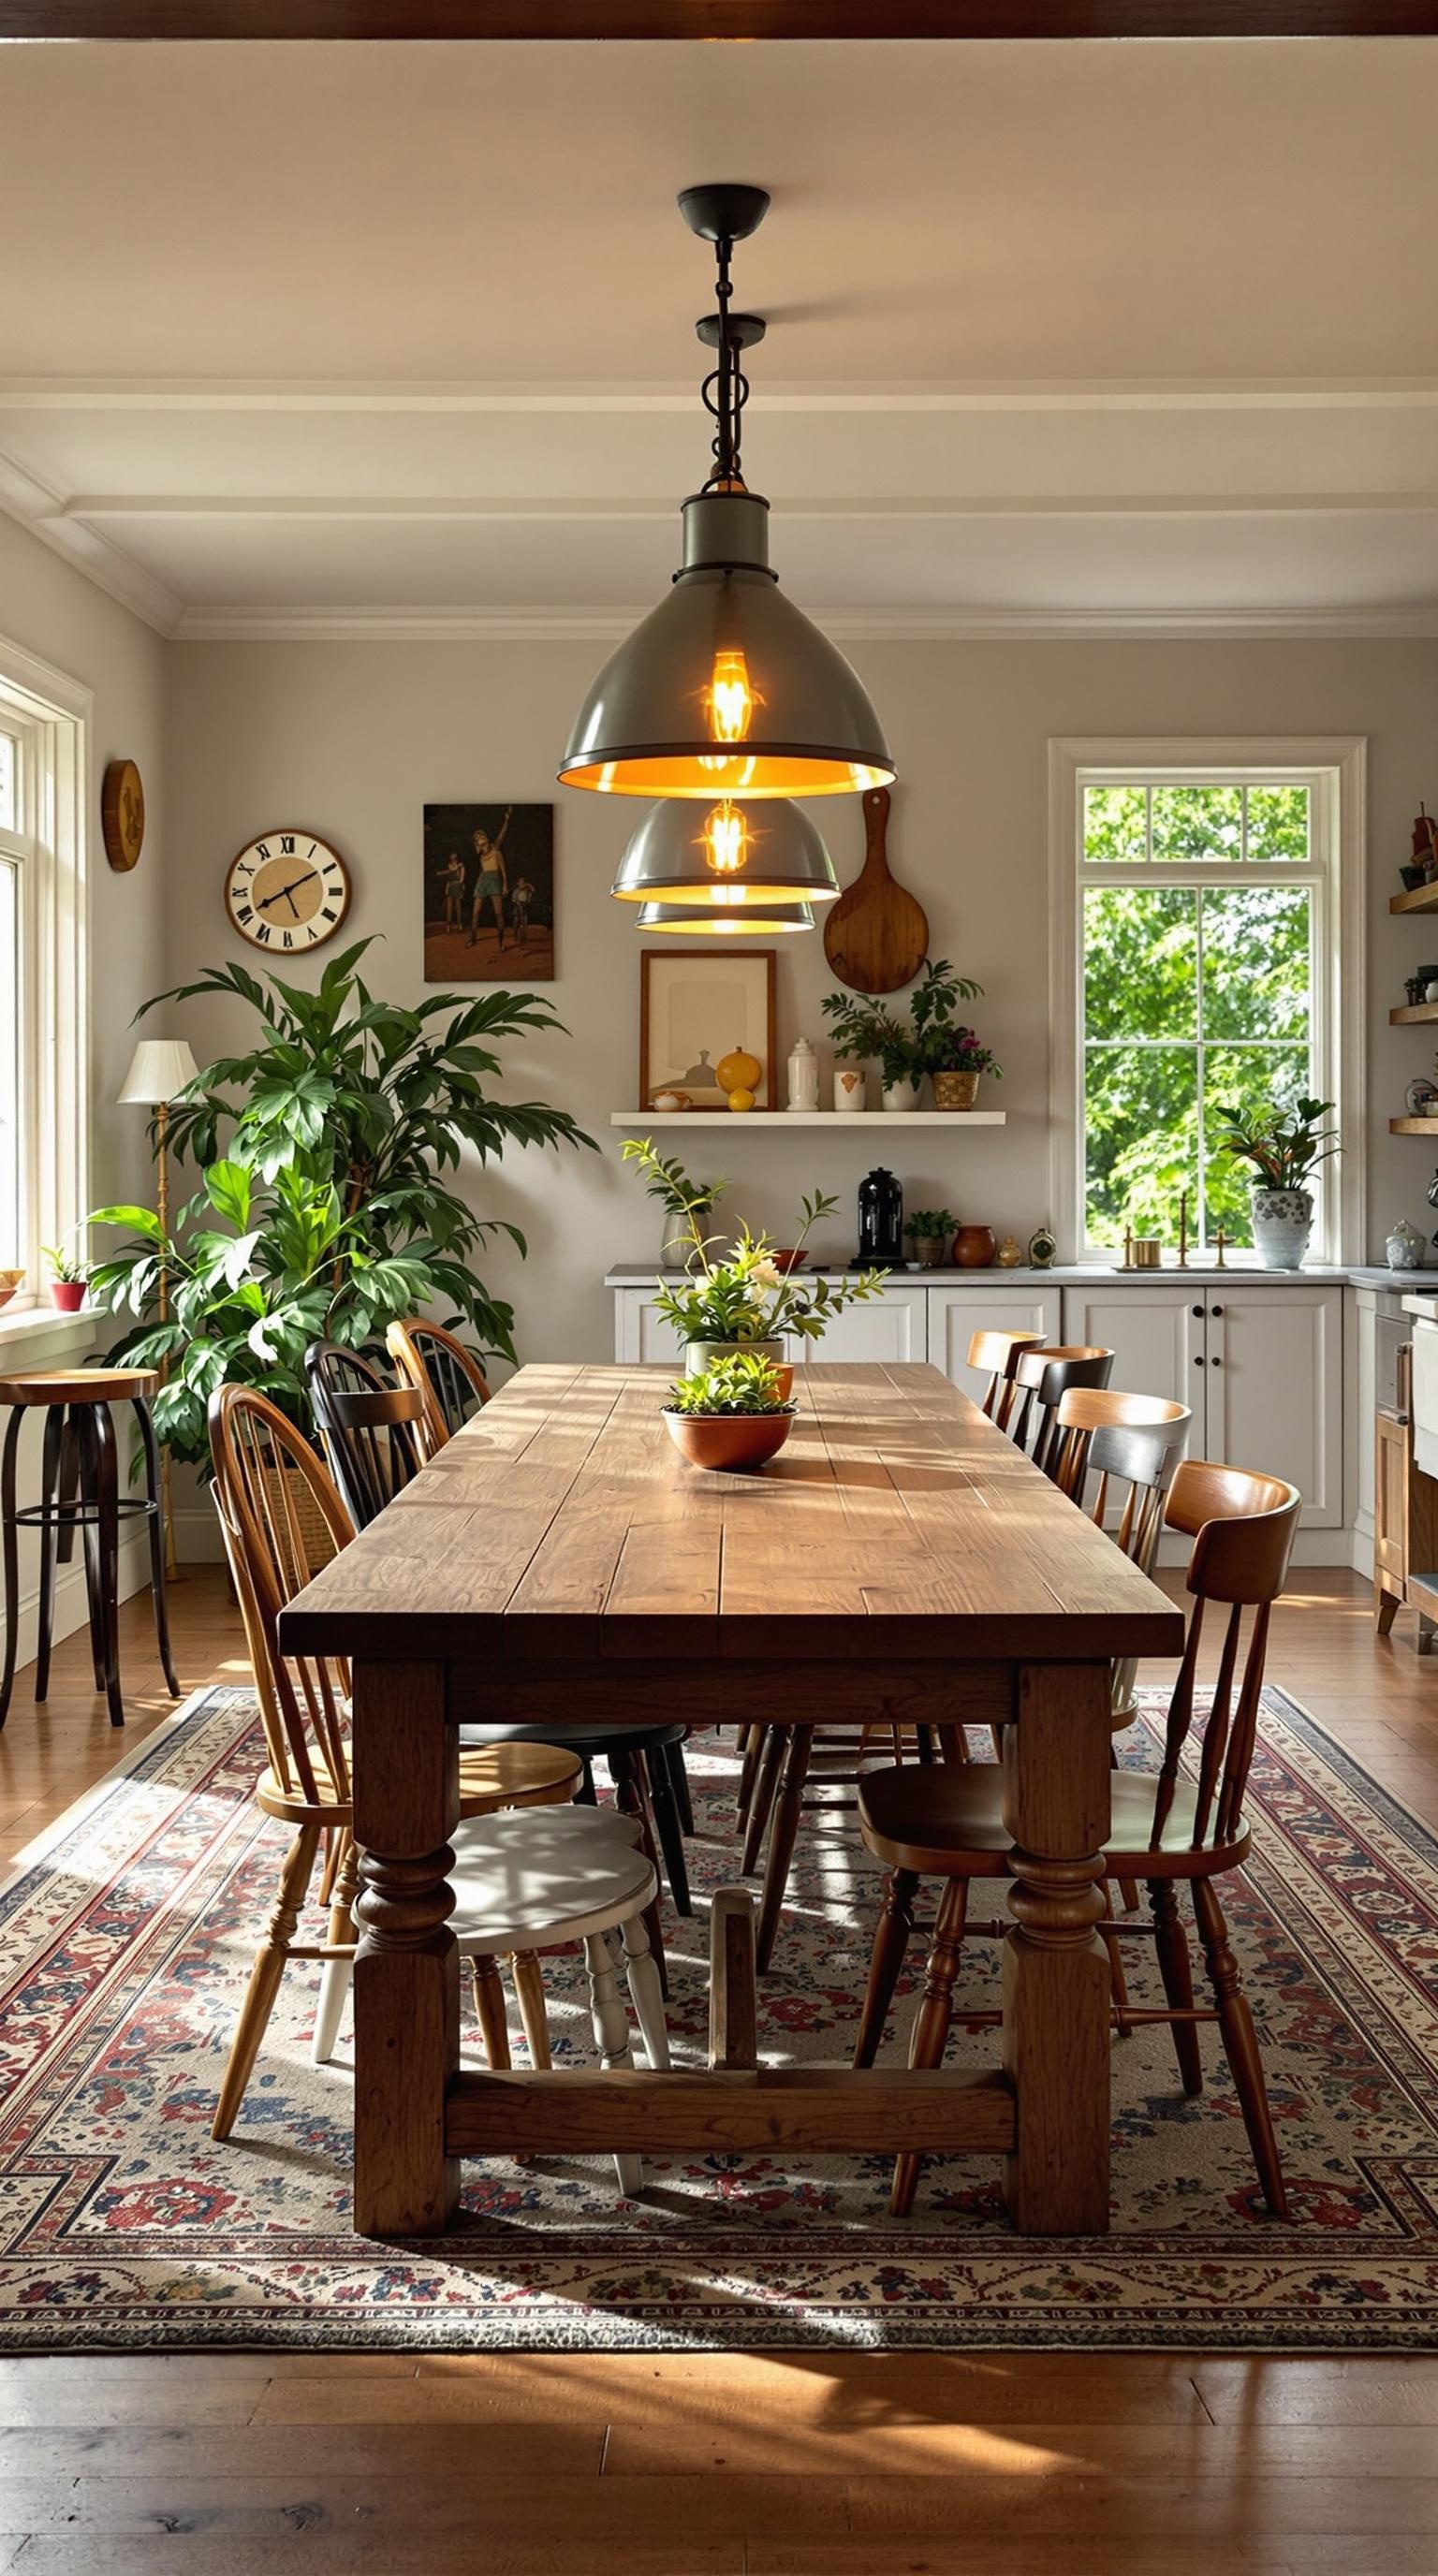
(1197, 930)
(43, 1067)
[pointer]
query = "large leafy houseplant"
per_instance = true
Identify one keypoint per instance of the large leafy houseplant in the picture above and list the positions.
(334, 1217)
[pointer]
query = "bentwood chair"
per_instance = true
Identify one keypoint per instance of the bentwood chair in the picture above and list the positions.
(448, 1378)
(998, 1354)
(373, 1437)
(1131, 1444)
(524, 1882)
(1182, 1823)
(1042, 1377)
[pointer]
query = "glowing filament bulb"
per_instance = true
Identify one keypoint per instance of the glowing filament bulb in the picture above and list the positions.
(731, 700)
(726, 841)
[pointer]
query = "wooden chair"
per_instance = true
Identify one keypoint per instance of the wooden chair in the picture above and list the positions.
(373, 1433)
(1042, 1377)
(1132, 1445)
(999, 1354)
(281, 1516)
(538, 1884)
(1165, 1829)
(447, 1376)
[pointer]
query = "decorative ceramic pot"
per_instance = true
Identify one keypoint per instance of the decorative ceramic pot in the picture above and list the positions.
(930, 1250)
(974, 1247)
(1405, 1247)
(736, 1442)
(677, 1243)
(955, 1090)
(803, 1076)
(851, 1089)
(738, 1071)
(1282, 1224)
(1010, 1256)
(904, 1095)
(700, 1355)
(68, 1295)
(1420, 1096)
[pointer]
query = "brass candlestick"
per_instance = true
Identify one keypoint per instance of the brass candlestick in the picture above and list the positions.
(1182, 1262)
(1221, 1240)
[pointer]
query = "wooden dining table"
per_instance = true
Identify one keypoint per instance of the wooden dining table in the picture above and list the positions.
(900, 1561)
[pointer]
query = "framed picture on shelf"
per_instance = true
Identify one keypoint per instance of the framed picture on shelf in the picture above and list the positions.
(695, 1009)
(488, 894)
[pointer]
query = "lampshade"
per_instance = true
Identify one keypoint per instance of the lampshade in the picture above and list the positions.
(726, 659)
(769, 853)
(159, 1068)
(726, 921)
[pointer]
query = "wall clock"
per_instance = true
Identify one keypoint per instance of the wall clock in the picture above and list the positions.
(287, 892)
(122, 814)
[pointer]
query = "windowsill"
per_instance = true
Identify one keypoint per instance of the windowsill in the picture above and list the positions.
(38, 1332)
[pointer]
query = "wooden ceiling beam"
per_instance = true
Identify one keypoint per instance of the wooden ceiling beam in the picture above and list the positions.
(715, 21)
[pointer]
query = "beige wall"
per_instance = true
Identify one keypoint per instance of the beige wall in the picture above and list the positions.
(351, 739)
(55, 613)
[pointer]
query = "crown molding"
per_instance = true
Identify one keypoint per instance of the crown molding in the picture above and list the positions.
(35, 506)
(875, 626)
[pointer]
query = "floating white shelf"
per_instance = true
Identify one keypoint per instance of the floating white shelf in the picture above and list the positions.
(646, 1118)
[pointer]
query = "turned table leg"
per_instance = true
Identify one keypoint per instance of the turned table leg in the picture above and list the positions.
(406, 1804)
(1056, 1986)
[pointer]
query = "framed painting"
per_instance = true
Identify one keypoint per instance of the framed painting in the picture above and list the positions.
(695, 1007)
(488, 894)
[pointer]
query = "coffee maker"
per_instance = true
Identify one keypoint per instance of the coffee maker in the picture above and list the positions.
(881, 1219)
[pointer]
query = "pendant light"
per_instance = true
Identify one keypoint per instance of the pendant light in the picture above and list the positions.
(727, 920)
(726, 689)
(766, 853)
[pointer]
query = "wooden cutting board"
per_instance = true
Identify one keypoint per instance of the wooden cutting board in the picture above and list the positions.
(876, 937)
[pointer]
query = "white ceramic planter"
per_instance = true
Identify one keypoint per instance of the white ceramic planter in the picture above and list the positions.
(903, 1095)
(1282, 1224)
(698, 1355)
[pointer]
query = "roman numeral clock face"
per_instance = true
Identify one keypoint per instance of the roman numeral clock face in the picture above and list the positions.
(287, 893)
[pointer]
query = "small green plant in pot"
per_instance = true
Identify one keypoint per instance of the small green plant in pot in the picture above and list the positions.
(1285, 1147)
(927, 1043)
(738, 1299)
(68, 1279)
(687, 1204)
(734, 1414)
(931, 1231)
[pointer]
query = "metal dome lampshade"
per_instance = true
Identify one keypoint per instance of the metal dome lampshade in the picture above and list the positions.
(765, 853)
(726, 919)
(726, 688)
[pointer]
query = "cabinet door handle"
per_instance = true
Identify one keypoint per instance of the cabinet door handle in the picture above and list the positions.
(1215, 1310)
(1198, 1359)
(1198, 1310)
(1215, 1363)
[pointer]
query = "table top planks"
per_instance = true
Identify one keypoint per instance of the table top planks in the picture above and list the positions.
(561, 1522)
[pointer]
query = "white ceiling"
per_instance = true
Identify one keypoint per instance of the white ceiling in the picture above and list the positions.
(359, 338)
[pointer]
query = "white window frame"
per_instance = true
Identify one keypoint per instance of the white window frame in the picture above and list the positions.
(51, 715)
(1334, 768)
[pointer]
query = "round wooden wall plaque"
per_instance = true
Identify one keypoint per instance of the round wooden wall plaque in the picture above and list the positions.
(122, 814)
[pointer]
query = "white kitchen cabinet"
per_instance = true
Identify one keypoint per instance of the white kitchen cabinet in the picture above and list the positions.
(955, 1312)
(1260, 1367)
(640, 1332)
(891, 1327)
(1274, 1371)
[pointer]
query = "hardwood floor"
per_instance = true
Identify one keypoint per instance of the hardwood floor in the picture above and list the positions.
(797, 2464)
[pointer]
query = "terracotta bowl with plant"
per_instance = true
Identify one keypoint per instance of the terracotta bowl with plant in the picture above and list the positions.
(732, 1415)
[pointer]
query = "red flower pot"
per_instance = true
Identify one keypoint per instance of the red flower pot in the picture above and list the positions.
(68, 1295)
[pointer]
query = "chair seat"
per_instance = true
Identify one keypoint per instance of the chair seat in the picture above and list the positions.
(490, 1777)
(522, 1882)
(78, 1386)
(597, 1738)
(929, 1820)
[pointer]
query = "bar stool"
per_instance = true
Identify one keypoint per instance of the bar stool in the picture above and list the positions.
(80, 1490)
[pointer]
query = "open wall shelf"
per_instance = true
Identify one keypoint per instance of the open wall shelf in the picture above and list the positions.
(1413, 1126)
(637, 1121)
(1423, 899)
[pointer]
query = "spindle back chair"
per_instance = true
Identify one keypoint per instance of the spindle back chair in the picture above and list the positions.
(373, 1433)
(447, 1376)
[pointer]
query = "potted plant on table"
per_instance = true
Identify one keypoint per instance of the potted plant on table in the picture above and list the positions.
(733, 1414)
(1286, 1148)
(931, 1231)
(737, 1298)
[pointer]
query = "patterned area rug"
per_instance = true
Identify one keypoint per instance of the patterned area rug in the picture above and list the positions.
(126, 1938)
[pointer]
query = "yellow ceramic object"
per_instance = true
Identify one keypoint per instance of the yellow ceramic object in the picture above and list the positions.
(738, 1072)
(741, 1099)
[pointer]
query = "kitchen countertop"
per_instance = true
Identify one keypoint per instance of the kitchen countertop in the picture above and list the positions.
(948, 1275)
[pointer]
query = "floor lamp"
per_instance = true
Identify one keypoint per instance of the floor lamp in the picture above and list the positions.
(159, 1069)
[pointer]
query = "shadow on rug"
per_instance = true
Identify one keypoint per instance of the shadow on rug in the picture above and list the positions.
(126, 1939)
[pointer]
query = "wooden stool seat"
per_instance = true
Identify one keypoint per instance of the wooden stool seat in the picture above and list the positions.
(566, 1872)
(501, 1775)
(925, 1820)
(79, 1386)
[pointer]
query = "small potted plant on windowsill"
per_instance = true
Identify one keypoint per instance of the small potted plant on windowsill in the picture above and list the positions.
(1286, 1148)
(69, 1281)
(931, 1231)
(734, 1414)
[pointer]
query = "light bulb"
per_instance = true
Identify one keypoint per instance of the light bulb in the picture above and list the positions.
(726, 840)
(731, 701)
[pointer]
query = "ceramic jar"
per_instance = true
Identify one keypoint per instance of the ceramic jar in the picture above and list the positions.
(803, 1076)
(851, 1089)
(1405, 1247)
(1010, 1255)
(974, 1247)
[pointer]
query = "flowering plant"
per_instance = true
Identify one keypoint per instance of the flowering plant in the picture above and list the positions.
(739, 1294)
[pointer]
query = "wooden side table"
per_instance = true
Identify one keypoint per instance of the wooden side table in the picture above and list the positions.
(80, 1494)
